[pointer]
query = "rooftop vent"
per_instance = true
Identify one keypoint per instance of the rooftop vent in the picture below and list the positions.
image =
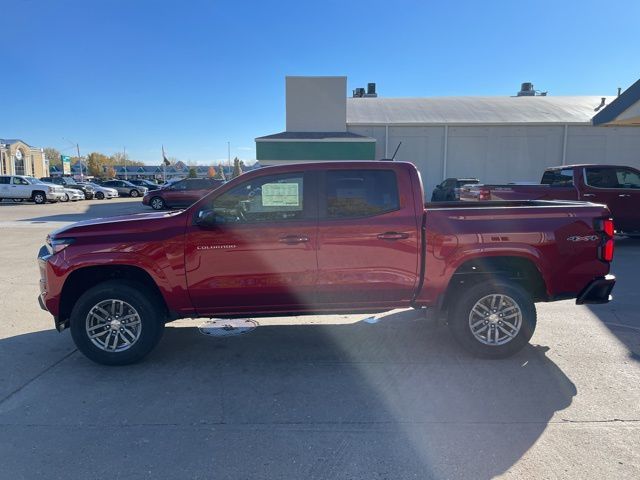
(369, 92)
(526, 90)
(603, 101)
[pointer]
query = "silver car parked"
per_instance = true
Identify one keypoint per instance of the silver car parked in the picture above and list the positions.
(125, 188)
(102, 192)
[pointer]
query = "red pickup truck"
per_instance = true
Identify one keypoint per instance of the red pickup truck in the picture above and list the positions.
(616, 186)
(329, 237)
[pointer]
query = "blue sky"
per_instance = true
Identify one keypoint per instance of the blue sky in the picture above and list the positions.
(193, 75)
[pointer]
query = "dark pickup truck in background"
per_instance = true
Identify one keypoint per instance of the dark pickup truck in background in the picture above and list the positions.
(616, 186)
(449, 189)
(68, 182)
(330, 237)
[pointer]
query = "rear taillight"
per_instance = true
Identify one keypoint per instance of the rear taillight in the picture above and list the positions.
(485, 194)
(606, 228)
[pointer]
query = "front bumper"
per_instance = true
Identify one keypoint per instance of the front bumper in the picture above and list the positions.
(55, 196)
(47, 299)
(598, 291)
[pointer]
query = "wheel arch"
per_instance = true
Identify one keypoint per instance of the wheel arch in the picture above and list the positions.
(84, 278)
(512, 268)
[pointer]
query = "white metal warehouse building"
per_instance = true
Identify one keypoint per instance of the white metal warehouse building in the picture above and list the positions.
(496, 139)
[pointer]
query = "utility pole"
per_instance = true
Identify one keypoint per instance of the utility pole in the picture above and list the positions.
(124, 159)
(75, 144)
(80, 162)
(229, 155)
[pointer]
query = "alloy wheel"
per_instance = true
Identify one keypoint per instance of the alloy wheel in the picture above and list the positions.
(113, 325)
(495, 319)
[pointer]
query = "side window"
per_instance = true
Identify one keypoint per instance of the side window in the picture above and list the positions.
(182, 185)
(5, 180)
(361, 193)
(19, 181)
(558, 178)
(627, 178)
(273, 198)
(602, 177)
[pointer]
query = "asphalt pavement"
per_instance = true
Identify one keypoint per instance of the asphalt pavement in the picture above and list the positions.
(322, 397)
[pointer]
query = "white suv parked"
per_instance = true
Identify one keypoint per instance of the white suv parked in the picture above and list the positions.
(29, 188)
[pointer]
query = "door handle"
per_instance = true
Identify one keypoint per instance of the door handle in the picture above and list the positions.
(588, 195)
(392, 236)
(293, 239)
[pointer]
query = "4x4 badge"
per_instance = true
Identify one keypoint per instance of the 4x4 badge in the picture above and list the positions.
(586, 238)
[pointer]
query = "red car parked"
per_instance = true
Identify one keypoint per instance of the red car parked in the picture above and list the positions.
(180, 194)
(329, 237)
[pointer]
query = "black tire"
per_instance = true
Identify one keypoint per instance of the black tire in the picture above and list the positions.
(99, 196)
(18, 200)
(39, 197)
(157, 203)
(134, 193)
(461, 311)
(146, 305)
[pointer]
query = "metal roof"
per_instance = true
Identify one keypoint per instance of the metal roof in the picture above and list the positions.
(312, 136)
(473, 110)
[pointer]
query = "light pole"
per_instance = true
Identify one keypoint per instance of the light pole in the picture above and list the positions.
(2, 147)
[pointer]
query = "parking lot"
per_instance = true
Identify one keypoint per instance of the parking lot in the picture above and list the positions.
(317, 397)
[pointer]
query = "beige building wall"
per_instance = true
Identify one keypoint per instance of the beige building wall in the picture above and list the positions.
(32, 162)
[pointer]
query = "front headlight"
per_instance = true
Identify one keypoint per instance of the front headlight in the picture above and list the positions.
(50, 189)
(56, 245)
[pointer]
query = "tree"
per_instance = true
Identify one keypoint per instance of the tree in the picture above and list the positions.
(120, 158)
(192, 173)
(97, 163)
(53, 156)
(211, 173)
(237, 170)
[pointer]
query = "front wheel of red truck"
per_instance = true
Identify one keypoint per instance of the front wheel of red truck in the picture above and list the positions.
(116, 322)
(493, 319)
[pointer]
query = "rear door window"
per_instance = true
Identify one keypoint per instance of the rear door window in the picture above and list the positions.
(5, 180)
(360, 193)
(558, 178)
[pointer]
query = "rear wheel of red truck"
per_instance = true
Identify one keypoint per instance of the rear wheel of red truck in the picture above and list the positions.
(493, 319)
(117, 322)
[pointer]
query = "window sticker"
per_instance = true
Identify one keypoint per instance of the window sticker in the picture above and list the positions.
(280, 195)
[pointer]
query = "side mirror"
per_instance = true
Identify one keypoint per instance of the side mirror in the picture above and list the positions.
(206, 218)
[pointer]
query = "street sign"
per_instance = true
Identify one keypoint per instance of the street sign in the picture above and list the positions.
(66, 164)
